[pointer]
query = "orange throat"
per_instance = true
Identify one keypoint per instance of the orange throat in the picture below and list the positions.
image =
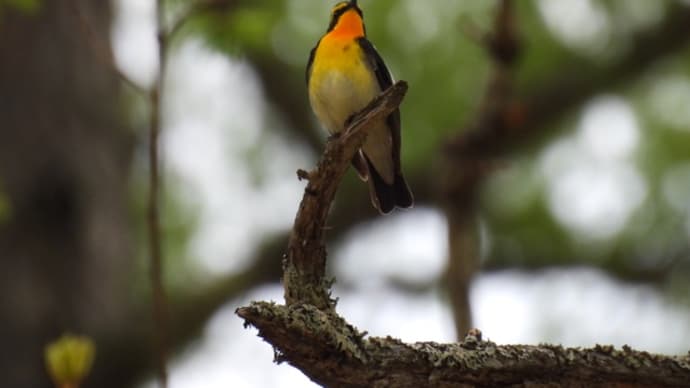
(350, 25)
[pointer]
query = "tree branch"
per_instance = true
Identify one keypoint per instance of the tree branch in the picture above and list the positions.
(333, 353)
(305, 261)
(159, 305)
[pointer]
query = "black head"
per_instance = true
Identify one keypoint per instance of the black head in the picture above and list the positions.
(340, 8)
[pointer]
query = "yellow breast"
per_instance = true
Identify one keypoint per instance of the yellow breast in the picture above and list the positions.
(341, 81)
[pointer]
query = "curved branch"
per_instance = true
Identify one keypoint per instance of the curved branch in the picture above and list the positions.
(305, 262)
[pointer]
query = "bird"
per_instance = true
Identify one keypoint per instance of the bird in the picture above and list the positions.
(344, 73)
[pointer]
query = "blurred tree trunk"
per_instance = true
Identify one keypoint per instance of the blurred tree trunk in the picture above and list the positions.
(64, 159)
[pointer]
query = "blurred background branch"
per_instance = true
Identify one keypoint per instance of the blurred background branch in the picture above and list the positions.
(159, 306)
(462, 176)
(547, 100)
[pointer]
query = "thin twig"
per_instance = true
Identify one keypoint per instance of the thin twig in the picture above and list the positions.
(156, 270)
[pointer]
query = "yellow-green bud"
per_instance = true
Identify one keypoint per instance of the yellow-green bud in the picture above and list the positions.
(69, 359)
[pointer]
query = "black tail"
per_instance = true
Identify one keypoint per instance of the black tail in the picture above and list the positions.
(386, 197)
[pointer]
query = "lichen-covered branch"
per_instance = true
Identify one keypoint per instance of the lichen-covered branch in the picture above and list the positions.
(305, 261)
(334, 354)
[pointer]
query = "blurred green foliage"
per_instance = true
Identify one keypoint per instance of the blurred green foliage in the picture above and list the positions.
(27, 6)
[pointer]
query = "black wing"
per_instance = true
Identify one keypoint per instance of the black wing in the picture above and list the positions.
(383, 76)
(376, 62)
(311, 62)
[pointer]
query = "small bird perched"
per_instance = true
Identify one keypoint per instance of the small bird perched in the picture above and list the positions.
(344, 74)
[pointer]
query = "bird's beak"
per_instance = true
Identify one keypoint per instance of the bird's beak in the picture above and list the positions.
(353, 2)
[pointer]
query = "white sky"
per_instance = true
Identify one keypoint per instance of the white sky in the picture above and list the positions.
(214, 118)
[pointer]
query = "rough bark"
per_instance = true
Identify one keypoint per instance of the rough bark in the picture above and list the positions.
(335, 354)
